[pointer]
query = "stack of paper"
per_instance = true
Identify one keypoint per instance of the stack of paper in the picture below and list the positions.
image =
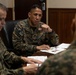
(57, 49)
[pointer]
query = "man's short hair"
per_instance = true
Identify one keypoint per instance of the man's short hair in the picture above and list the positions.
(3, 7)
(35, 6)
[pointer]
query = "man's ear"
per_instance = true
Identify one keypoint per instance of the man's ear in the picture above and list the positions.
(73, 26)
(29, 14)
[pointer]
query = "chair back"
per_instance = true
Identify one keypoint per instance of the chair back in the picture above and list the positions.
(6, 34)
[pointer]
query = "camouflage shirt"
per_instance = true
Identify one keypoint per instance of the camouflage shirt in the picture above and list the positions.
(26, 38)
(6, 60)
(61, 64)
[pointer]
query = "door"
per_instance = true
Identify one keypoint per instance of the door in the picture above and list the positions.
(22, 7)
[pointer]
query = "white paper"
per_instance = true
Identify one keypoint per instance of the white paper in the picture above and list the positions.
(35, 64)
(57, 49)
(41, 58)
(63, 45)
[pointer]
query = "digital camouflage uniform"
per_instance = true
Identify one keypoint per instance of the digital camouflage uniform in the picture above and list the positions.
(26, 38)
(61, 64)
(6, 61)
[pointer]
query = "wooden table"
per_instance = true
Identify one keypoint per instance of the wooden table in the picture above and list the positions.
(39, 53)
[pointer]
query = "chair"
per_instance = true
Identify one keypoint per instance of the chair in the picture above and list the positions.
(6, 34)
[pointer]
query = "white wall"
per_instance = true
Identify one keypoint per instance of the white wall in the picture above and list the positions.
(50, 3)
(61, 3)
(8, 3)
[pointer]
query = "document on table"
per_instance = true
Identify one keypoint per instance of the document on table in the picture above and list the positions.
(57, 49)
(41, 58)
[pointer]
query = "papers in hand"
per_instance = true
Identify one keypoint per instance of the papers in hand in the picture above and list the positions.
(41, 58)
(57, 49)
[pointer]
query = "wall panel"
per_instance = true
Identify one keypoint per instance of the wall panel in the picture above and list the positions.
(60, 20)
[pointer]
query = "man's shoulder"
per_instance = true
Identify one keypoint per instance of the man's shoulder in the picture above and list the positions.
(22, 23)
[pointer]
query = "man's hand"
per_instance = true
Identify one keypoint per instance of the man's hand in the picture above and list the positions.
(43, 47)
(32, 68)
(45, 28)
(31, 60)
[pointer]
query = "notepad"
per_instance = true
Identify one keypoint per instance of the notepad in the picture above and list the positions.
(57, 49)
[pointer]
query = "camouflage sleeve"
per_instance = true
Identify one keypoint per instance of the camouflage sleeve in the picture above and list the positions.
(10, 59)
(53, 38)
(60, 64)
(12, 72)
(53, 67)
(20, 41)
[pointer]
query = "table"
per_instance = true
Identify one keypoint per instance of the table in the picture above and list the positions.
(39, 53)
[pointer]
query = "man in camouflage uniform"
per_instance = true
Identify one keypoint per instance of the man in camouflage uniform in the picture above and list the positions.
(63, 63)
(31, 35)
(7, 60)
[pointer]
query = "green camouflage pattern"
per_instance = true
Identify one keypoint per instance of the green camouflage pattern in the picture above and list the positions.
(25, 38)
(60, 64)
(6, 61)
